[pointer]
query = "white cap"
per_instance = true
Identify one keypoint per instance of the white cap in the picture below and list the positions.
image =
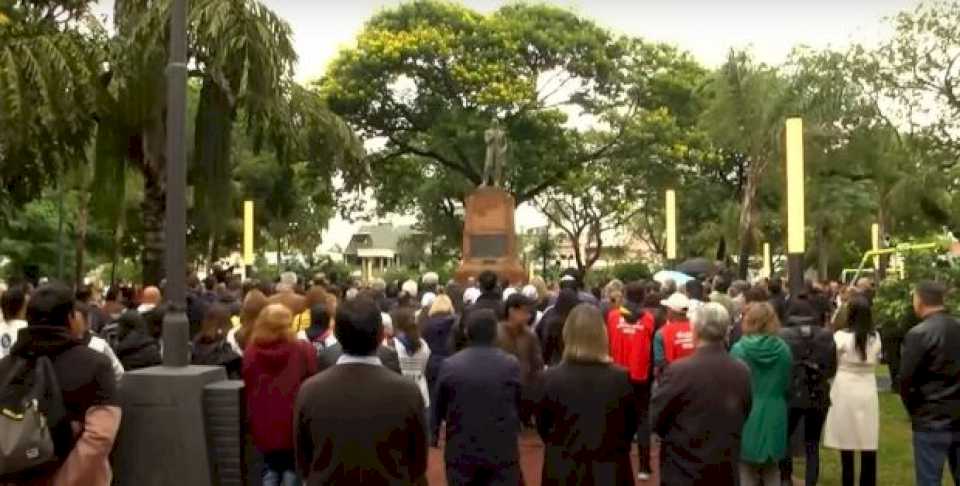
(530, 292)
(431, 278)
(677, 302)
(410, 288)
(427, 299)
(507, 292)
(288, 278)
(471, 295)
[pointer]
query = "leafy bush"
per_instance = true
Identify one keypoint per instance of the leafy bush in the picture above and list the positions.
(893, 303)
(632, 271)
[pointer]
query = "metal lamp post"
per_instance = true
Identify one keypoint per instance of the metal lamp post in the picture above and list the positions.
(164, 437)
(796, 225)
(176, 328)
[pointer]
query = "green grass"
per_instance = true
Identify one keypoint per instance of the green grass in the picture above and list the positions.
(895, 456)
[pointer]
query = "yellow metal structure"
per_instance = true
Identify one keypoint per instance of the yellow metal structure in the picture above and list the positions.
(671, 224)
(796, 243)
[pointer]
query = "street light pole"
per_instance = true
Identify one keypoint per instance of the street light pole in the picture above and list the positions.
(175, 324)
(796, 225)
(671, 226)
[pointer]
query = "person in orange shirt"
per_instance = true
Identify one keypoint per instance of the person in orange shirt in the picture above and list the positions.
(675, 340)
(630, 331)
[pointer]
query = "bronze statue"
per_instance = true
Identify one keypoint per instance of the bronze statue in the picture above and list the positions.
(496, 140)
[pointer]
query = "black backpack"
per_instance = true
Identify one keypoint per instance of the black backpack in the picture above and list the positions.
(31, 405)
(809, 377)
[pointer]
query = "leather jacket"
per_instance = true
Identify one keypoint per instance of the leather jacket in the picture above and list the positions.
(930, 365)
(814, 363)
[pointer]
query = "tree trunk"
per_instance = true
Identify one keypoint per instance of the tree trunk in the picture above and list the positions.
(747, 216)
(115, 257)
(823, 254)
(578, 251)
(595, 233)
(213, 250)
(81, 230)
(154, 204)
(279, 254)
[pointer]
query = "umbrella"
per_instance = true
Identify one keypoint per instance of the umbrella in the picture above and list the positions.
(679, 278)
(697, 267)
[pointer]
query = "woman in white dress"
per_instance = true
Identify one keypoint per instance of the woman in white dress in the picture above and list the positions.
(853, 421)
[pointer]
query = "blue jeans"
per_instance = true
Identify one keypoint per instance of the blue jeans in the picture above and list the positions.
(278, 469)
(279, 478)
(930, 450)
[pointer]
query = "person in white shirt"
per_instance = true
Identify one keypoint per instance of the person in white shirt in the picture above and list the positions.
(412, 351)
(97, 343)
(319, 333)
(13, 303)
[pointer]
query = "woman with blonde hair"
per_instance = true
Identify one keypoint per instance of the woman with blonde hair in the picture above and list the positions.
(543, 293)
(253, 303)
(275, 365)
(764, 441)
(437, 333)
(587, 417)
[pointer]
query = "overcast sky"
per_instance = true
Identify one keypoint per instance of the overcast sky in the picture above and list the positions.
(707, 28)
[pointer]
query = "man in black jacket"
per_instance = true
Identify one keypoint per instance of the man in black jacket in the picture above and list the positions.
(929, 386)
(700, 406)
(358, 423)
(490, 298)
(478, 396)
(814, 364)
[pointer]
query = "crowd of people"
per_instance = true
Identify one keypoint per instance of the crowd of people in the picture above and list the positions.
(351, 385)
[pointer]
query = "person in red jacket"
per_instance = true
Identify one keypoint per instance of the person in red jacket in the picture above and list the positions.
(675, 339)
(275, 364)
(630, 331)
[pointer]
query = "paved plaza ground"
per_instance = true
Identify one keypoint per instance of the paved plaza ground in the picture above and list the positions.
(531, 459)
(894, 468)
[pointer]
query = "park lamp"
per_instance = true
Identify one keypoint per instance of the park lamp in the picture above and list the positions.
(875, 244)
(248, 233)
(795, 184)
(796, 244)
(671, 210)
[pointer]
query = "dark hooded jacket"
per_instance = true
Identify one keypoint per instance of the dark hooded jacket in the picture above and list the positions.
(814, 357)
(216, 352)
(136, 348)
(437, 333)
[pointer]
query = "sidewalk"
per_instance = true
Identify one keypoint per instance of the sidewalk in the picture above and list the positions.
(531, 460)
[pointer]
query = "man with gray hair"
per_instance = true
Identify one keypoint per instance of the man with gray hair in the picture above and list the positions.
(699, 408)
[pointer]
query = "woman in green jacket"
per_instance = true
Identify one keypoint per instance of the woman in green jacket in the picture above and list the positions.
(764, 441)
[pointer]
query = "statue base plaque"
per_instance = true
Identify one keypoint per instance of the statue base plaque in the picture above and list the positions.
(489, 237)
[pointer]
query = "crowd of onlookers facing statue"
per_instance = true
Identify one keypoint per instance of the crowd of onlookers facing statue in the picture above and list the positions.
(349, 385)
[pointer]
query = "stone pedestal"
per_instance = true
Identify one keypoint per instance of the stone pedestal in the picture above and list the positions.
(490, 237)
(163, 440)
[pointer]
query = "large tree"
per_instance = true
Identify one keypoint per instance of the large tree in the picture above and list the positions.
(49, 71)
(427, 78)
(744, 118)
